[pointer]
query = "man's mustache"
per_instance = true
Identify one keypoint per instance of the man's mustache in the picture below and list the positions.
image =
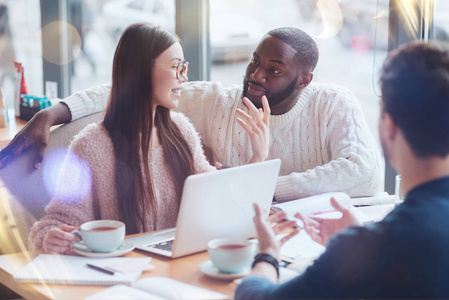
(257, 84)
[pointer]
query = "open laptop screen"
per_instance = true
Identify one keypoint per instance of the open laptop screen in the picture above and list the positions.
(219, 204)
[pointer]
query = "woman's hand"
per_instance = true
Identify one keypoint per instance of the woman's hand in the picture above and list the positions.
(257, 126)
(59, 239)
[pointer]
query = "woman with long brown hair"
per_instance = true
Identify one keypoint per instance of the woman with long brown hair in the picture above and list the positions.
(132, 166)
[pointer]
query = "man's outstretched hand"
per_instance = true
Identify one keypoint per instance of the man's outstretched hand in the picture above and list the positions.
(268, 227)
(321, 230)
(35, 135)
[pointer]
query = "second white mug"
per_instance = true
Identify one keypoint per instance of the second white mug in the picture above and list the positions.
(231, 255)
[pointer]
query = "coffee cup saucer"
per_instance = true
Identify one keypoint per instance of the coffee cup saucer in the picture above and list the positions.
(209, 269)
(126, 247)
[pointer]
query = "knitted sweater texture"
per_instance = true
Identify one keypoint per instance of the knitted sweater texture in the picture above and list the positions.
(86, 183)
(324, 142)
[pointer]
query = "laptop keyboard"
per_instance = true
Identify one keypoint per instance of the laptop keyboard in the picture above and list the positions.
(167, 245)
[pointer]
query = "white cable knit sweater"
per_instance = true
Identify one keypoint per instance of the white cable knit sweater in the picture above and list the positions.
(86, 184)
(323, 141)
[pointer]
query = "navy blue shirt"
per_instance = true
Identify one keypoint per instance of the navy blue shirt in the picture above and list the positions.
(406, 255)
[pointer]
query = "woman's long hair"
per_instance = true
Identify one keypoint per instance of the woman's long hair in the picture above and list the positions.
(129, 121)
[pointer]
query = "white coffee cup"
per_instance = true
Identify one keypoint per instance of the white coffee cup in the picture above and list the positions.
(101, 235)
(231, 255)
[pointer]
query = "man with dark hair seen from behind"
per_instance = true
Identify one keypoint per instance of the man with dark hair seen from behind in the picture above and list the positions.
(317, 130)
(406, 254)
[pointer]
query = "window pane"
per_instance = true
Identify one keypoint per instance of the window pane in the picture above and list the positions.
(20, 40)
(441, 20)
(100, 24)
(351, 35)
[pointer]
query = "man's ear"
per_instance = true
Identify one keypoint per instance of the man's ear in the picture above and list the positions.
(390, 127)
(304, 81)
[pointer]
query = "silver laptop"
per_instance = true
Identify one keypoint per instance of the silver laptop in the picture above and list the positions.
(214, 205)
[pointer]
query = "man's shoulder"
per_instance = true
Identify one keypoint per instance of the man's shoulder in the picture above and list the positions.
(331, 92)
(330, 88)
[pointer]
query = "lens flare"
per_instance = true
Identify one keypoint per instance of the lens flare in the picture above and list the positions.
(72, 183)
(53, 40)
(331, 16)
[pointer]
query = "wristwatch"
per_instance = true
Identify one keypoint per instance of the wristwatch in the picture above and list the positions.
(267, 258)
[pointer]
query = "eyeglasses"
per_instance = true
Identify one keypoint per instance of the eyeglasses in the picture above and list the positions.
(182, 68)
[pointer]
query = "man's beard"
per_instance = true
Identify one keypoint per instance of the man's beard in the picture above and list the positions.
(273, 99)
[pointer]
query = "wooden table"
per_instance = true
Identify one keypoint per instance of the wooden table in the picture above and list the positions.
(184, 269)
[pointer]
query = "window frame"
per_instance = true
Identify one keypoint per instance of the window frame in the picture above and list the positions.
(192, 26)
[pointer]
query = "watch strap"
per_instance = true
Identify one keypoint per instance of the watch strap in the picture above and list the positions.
(268, 258)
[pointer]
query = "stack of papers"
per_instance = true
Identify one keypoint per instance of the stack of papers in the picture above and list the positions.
(66, 269)
(156, 288)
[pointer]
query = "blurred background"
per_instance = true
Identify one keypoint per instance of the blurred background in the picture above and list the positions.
(352, 36)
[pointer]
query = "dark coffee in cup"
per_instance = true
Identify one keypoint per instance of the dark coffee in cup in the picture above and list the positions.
(101, 235)
(102, 229)
(231, 247)
(231, 255)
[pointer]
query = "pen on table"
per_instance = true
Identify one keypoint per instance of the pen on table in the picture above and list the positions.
(100, 269)
(276, 209)
(324, 211)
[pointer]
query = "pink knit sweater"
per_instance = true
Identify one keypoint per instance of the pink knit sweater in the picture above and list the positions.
(86, 184)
